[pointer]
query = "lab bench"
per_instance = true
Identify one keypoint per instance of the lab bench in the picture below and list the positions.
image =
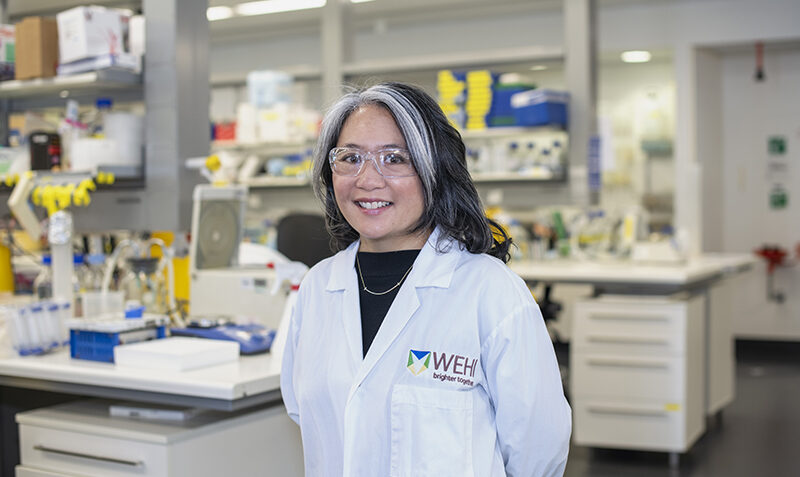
(242, 407)
(652, 351)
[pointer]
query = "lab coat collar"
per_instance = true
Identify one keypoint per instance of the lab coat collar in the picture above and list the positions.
(434, 266)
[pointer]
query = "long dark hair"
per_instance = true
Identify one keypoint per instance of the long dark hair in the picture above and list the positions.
(438, 153)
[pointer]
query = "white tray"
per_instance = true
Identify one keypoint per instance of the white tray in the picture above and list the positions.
(176, 353)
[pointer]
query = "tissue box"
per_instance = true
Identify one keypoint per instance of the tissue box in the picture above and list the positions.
(540, 107)
(36, 48)
(86, 32)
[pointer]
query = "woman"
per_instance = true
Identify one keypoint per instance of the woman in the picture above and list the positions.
(415, 351)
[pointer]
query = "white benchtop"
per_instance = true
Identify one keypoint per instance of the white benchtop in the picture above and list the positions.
(693, 271)
(249, 376)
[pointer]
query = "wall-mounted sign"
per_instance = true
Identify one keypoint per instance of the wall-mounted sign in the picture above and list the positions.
(776, 145)
(778, 197)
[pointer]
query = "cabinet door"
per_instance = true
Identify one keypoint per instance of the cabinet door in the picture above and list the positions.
(89, 454)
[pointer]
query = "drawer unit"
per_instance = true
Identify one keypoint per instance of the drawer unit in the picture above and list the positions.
(649, 327)
(651, 425)
(633, 376)
(81, 439)
(637, 372)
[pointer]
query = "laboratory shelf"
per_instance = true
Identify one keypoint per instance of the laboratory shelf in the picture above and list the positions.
(466, 59)
(506, 177)
(510, 131)
(108, 79)
(276, 182)
(274, 149)
(298, 72)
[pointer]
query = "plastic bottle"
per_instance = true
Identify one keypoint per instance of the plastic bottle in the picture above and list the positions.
(557, 158)
(93, 274)
(531, 158)
(521, 240)
(97, 126)
(512, 162)
(43, 283)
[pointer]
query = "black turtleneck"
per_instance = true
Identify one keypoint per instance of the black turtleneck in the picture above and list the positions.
(380, 271)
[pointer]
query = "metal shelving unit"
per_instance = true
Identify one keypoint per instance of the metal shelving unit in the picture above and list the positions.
(265, 148)
(102, 80)
(273, 182)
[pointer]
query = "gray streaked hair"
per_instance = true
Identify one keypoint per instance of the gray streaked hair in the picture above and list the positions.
(408, 118)
(438, 154)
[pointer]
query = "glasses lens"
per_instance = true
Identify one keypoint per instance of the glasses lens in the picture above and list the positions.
(345, 161)
(396, 163)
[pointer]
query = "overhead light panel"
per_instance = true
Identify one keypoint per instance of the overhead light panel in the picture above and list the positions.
(636, 56)
(538, 68)
(218, 13)
(265, 7)
(361, 1)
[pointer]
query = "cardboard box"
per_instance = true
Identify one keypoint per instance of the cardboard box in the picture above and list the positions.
(86, 32)
(36, 48)
(7, 50)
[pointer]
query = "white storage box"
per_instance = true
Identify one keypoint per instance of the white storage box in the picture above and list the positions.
(176, 353)
(85, 32)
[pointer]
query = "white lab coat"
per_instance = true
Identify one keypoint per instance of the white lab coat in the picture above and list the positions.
(488, 403)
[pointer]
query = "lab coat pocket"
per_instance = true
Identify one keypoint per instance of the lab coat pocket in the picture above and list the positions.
(431, 432)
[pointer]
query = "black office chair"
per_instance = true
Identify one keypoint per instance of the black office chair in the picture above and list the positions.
(304, 238)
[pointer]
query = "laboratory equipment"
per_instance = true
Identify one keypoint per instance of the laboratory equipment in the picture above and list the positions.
(96, 303)
(142, 278)
(95, 339)
(43, 283)
(38, 327)
(252, 338)
(220, 286)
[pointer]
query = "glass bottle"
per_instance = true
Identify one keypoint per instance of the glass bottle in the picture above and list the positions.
(43, 283)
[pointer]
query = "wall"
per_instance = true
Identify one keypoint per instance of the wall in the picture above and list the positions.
(751, 113)
(706, 144)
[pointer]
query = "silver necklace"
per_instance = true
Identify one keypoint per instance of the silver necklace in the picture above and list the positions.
(358, 265)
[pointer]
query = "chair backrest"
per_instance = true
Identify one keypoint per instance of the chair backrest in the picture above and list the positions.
(304, 238)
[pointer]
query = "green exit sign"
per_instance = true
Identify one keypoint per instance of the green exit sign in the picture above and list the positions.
(776, 145)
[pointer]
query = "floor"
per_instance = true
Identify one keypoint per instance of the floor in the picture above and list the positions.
(758, 435)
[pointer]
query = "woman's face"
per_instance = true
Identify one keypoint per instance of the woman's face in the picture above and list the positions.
(382, 210)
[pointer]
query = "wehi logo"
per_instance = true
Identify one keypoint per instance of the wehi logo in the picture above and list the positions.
(418, 361)
(446, 368)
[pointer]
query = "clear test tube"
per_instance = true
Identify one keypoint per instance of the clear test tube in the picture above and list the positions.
(65, 316)
(11, 316)
(37, 322)
(29, 329)
(54, 323)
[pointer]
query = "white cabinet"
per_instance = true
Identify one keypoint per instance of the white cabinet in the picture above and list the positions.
(638, 372)
(721, 353)
(81, 439)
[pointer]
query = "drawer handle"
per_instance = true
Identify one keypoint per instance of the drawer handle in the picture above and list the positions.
(628, 340)
(132, 463)
(629, 363)
(617, 317)
(626, 411)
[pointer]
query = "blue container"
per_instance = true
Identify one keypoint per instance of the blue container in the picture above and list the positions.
(540, 107)
(99, 345)
(502, 113)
